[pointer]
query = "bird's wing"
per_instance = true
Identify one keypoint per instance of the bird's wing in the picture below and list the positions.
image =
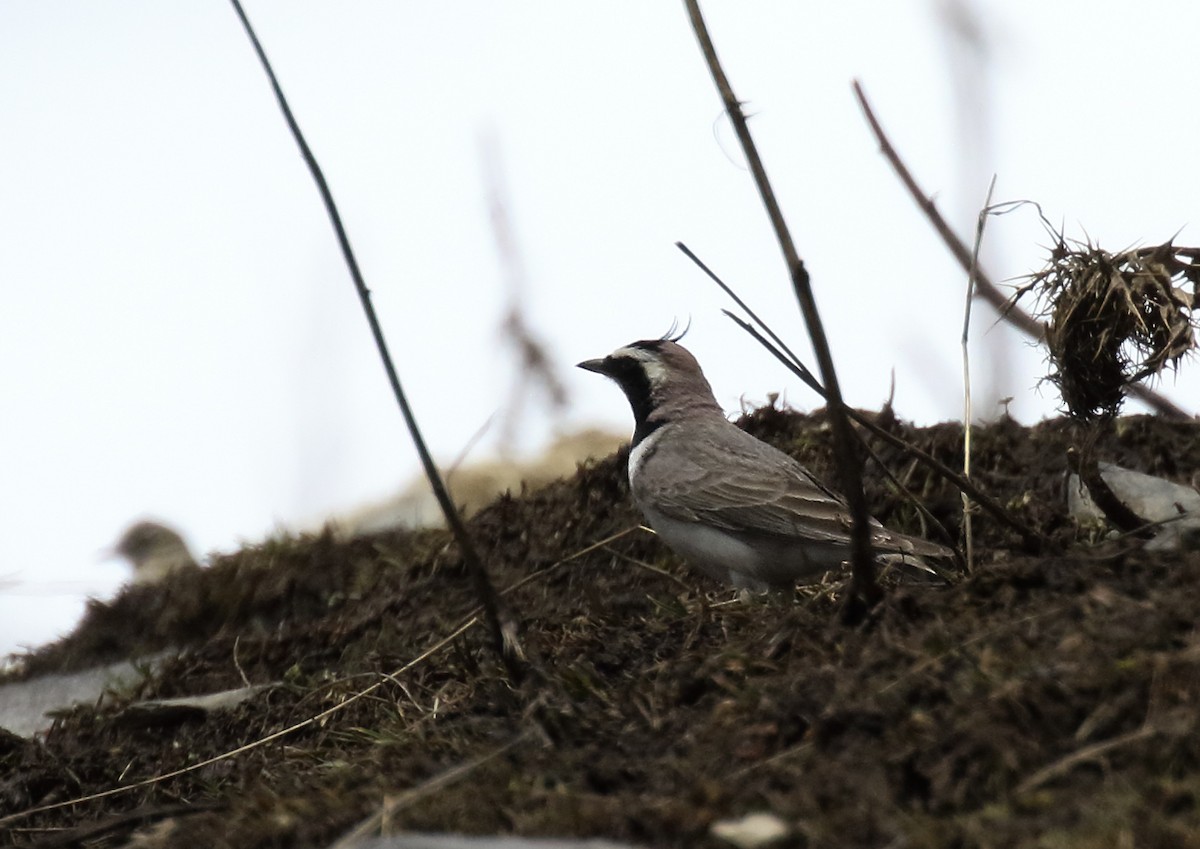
(730, 480)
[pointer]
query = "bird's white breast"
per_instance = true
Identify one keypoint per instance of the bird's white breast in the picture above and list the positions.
(641, 452)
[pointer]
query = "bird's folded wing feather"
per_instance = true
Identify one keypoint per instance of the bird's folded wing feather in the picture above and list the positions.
(741, 484)
(746, 485)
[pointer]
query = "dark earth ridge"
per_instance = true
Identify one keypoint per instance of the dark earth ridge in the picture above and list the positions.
(1048, 699)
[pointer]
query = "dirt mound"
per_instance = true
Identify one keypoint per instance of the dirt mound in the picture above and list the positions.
(1047, 699)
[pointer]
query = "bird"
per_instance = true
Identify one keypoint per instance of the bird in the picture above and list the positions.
(729, 504)
(154, 550)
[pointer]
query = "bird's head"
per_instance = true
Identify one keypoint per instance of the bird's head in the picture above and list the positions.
(148, 539)
(661, 379)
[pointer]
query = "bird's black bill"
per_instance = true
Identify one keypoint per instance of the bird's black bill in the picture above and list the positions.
(598, 366)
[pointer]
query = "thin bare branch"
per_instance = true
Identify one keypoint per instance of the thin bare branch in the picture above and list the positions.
(810, 380)
(864, 588)
(968, 415)
(1092, 752)
(500, 621)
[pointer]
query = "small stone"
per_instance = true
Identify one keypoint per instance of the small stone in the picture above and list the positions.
(752, 830)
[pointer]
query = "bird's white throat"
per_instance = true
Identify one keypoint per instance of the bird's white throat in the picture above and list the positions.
(637, 457)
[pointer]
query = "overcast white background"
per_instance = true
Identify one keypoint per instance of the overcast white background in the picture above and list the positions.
(179, 337)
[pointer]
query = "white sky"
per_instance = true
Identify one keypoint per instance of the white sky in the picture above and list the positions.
(179, 337)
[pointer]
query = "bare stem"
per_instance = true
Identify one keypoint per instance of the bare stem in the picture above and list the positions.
(779, 343)
(968, 415)
(864, 588)
(503, 629)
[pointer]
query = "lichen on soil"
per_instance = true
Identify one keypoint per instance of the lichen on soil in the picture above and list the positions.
(1048, 699)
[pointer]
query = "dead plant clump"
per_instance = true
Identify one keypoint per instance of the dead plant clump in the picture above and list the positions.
(1113, 319)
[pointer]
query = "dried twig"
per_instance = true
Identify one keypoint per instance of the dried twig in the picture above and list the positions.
(806, 375)
(972, 272)
(1088, 753)
(864, 590)
(986, 288)
(650, 567)
(500, 621)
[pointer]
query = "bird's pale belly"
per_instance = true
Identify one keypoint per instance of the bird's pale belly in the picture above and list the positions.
(758, 564)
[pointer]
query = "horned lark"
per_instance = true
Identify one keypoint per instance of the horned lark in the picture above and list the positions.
(729, 504)
(154, 550)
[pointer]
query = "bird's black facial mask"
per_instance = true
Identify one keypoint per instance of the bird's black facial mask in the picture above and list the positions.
(629, 370)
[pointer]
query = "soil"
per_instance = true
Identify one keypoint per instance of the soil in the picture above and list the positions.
(1050, 698)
